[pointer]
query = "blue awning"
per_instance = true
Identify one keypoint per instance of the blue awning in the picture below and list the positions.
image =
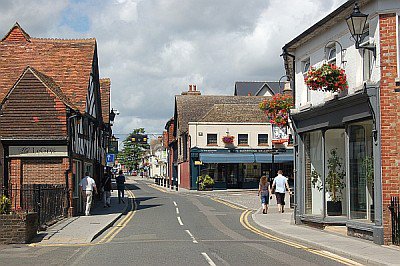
(278, 158)
(227, 157)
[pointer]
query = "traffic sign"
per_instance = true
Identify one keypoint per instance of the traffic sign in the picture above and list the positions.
(110, 158)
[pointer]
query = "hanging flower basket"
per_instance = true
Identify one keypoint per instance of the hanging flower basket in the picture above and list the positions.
(277, 109)
(328, 77)
(228, 139)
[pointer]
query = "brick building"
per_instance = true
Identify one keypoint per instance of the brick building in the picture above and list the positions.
(54, 121)
(359, 126)
(172, 153)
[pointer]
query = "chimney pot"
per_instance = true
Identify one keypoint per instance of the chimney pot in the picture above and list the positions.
(194, 87)
(190, 87)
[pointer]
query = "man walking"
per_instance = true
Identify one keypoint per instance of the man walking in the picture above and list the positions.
(87, 186)
(107, 188)
(281, 184)
(120, 179)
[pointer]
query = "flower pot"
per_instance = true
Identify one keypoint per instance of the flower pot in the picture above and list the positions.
(334, 208)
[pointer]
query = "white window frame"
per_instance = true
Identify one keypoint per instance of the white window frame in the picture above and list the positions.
(304, 72)
(333, 59)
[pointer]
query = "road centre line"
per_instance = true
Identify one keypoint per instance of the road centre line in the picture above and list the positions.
(177, 211)
(208, 259)
(244, 221)
(190, 234)
(179, 220)
(175, 204)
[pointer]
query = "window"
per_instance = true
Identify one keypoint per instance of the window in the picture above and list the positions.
(262, 139)
(212, 139)
(243, 139)
(367, 64)
(314, 173)
(331, 56)
(290, 142)
(305, 67)
(361, 171)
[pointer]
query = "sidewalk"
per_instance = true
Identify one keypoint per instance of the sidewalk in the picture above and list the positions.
(282, 225)
(83, 229)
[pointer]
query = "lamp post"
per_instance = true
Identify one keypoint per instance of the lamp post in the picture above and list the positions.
(356, 23)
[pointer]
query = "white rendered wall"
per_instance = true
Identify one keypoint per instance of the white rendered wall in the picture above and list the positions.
(353, 65)
(198, 133)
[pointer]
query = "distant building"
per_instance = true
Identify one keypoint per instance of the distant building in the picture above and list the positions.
(200, 123)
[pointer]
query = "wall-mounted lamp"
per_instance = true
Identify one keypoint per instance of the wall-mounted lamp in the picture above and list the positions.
(342, 61)
(279, 82)
(112, 115)
(356, 23)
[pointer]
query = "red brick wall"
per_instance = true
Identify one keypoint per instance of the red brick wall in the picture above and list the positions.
(184, 168)
(390, 123)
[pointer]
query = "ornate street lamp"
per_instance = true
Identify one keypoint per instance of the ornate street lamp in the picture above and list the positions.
(112, 115)
(356, 23)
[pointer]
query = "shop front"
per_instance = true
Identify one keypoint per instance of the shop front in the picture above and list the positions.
(238, 168)
(338, 165)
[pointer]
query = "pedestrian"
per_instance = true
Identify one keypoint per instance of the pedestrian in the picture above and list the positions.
(87, 186)
(120, 179)
(107, 190)
(264, 190)
(280, 184)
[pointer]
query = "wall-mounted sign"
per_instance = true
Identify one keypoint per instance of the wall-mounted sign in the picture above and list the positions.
(279, 134)
(113, 148)
(198, 163)
(38, 151)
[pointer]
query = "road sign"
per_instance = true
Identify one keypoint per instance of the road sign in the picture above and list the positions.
(110, 158)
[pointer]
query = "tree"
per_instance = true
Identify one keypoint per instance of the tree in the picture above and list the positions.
(132, 151)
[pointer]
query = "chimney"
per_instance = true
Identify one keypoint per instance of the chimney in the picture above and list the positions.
(192, 91)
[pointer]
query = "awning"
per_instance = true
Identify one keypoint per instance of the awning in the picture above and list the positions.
(227, 157)
(278, 158)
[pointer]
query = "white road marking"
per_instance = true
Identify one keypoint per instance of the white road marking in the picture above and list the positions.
(179, 220)
(190, 234)
(208, 259)
(175, 203)
(177, 211)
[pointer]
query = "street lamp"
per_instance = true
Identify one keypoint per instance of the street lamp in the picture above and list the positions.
(356, 23)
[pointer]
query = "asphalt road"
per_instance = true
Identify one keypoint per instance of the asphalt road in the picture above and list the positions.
(171, 229)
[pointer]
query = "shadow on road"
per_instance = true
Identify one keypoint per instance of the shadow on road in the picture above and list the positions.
(131, 187)
(140, 206)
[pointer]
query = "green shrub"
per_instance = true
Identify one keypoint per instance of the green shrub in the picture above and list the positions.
(205, 182)
(5, 205)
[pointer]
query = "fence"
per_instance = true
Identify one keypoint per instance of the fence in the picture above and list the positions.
(395, 214)
(49, 201)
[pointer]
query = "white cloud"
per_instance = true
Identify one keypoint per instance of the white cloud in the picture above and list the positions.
(153, 49)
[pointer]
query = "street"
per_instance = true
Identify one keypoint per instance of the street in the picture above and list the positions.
(173, 229)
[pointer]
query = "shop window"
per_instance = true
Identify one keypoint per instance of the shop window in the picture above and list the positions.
(262, 139)
(335, 172)
(212, 139)
(243, 139)
(361, 171)
(313, 173)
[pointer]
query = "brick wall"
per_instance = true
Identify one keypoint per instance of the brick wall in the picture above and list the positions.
(185, 175)
(390, 110)
(18, 227)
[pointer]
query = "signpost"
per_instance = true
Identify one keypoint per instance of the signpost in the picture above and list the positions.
(110, 159)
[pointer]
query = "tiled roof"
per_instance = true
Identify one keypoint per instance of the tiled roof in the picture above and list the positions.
(34, 109)
(243, 88)
(105, 87)
(67, 62)
(240, 113)
(192, 108)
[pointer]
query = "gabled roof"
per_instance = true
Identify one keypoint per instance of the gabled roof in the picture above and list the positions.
(192, 108)
(244, 88)
(16, 34)
(67, 62)
(235, 113)
(105, 88)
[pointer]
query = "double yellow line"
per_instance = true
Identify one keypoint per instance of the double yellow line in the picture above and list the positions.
(245, 222)
(117, 228)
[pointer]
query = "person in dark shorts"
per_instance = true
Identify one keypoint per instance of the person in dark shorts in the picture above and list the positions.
(264, 190)
(281, 184)
(120, 179)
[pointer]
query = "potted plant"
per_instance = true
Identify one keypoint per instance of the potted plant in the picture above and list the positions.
(205, 182)
(5, 205)
(327, 77)
(277, 109)
(228, 140)
(335, 183)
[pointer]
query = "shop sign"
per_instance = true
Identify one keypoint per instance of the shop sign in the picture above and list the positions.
(38, 151)
(198, 163)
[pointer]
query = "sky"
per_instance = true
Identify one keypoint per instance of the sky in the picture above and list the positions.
(153, 49)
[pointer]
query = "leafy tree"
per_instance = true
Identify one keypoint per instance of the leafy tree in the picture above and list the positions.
(132, 152)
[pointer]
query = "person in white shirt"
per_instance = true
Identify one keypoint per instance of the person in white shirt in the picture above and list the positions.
(87, 186)
(280, 184)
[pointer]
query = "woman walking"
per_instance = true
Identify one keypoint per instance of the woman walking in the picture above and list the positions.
(264, 189)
